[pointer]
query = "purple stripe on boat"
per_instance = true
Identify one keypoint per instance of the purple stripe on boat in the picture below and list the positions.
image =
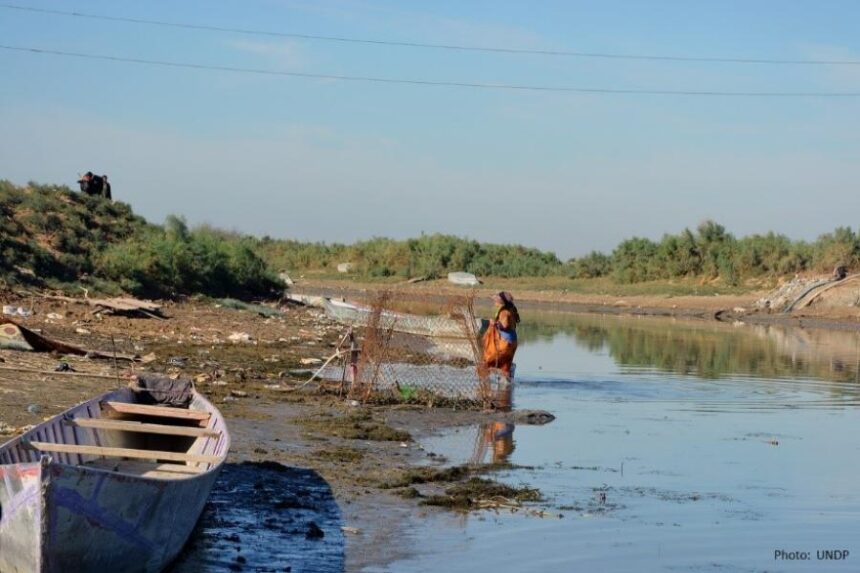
(72, 501)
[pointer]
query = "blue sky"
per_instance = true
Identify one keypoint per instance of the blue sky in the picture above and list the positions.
(339, 161)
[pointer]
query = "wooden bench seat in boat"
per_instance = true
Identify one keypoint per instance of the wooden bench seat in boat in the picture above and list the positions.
(124, 453)
(147, 469)
(120, 409)
(142, 427)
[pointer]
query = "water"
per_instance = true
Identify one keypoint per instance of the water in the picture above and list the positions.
(677, 447)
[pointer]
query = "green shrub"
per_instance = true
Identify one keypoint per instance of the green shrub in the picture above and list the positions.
(591, 266)
(633, 260)
(173, 260)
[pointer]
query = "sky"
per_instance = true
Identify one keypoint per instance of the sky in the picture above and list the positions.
(335, 160)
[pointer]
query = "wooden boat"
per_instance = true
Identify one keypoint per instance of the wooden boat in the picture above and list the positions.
(112, 484)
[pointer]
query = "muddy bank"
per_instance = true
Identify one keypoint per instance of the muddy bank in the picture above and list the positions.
(308, 485)
(370, 473)
(266, 517)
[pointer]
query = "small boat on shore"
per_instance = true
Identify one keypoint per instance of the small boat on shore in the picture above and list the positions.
(114, 484)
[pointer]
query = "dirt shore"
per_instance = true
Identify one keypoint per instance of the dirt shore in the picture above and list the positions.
(271, 416)
(723, 307)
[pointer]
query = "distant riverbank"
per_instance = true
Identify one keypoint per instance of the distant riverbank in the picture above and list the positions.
(677, 299)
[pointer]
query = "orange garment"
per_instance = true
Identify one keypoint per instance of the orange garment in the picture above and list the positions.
(498, 352)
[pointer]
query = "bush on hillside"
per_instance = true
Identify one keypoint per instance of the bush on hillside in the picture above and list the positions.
(55, 233)
(169, 261)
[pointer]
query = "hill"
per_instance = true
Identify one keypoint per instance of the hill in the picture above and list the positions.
(53, 237)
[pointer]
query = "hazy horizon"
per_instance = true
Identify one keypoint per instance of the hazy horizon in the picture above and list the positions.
(337, 161)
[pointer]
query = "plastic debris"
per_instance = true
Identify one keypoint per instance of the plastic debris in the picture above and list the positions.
(64, 367)
(146, 359)
(10, 310)
(240, 337)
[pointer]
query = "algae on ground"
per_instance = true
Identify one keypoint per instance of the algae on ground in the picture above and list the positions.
(355, 426)
(474, 493)
(414, 476)
(409, 493)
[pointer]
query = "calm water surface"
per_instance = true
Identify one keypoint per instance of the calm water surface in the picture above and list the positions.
(677, 446)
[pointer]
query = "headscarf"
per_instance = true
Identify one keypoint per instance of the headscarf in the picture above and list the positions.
(508, 304)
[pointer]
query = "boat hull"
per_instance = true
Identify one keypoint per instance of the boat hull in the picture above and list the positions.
(100, 521)
(60, 513)
(20, 517)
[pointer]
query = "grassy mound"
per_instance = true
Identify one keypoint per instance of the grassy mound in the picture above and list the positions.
(53, 237)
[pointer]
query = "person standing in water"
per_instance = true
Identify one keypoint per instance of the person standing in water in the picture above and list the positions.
(500, 340)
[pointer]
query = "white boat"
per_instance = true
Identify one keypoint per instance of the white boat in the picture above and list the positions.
(463, 279)
(111, 485)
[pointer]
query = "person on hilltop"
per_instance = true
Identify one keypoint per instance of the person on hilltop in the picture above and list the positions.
(500, 339)
(96, 185)
(85, 181)
(106, 189)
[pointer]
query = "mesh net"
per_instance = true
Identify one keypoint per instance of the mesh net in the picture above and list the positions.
(416, 349)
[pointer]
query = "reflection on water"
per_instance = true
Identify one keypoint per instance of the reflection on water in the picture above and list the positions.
(493, 442)
(678, 446)
(486, 443)
(497, 439)
(705, 349)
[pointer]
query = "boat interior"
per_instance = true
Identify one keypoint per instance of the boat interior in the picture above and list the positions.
(117, 433)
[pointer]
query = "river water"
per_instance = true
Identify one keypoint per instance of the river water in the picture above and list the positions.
(678, 446)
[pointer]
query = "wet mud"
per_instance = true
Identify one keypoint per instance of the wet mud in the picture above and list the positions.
(266, 518)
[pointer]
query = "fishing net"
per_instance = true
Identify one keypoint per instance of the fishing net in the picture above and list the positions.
(419, 349)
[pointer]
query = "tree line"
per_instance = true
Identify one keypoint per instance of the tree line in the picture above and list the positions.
(711, 252)
(708, 252)
(52, 235)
